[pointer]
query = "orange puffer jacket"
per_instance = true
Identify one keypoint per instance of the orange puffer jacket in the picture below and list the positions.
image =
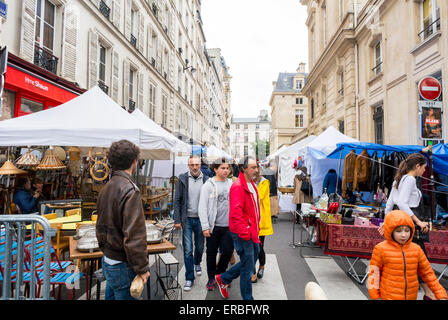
(393, 268)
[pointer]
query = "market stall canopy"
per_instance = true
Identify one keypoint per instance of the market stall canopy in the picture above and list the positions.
(371, 148)
(214, 153)
(149, 125)
(92, 119)
(440, 158)
(276, 153)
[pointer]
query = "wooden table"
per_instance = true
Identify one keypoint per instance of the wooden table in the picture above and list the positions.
(155, 248)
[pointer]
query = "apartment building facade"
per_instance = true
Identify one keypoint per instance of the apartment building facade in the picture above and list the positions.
(289, 109)
(145, 54)
(366, 60)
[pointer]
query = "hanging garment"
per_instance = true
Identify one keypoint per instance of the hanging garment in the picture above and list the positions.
(349, 170)
(389, 171)
(375, 174)
(362, 170)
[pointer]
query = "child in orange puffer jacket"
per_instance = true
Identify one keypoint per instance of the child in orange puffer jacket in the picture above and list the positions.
(397, 261)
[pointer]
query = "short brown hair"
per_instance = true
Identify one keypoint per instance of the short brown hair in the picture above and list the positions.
(122, 154)
(219, 162)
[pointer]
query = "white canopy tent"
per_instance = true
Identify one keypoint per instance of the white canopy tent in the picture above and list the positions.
(276, 153)
(214, 153)
(315, 156)
(92, 119)
(286, 172)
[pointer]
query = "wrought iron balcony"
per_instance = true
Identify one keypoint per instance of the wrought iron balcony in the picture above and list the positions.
(131, 105)
(341, 92)
(429, 30)
(154, 9)
(133, 40)
(378, 68)
(165, 28)
(153, 62)
(165, 75)
(104, 9)
(45, 59)
(103, 86)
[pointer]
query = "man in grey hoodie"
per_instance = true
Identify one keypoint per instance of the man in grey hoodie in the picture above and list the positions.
(214, 216)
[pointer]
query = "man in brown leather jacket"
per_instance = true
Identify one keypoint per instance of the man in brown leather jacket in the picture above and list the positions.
(120, 228)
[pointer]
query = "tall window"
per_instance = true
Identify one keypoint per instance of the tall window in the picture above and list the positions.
(378, 56)
(152, 101)
(341, 126)
(246, 126)
(102, 64)
(237, 126)
(341, 83)
(312, 108)
(246, 138)
(299, 84)
(133, 22)
(299, 100)
(324, 13)
(378, 120)
(324, 98)
(45, 22)
(131, 84)
(257, 136)
(164, 111)
(430, 13)
(246, 151)
(299, 121)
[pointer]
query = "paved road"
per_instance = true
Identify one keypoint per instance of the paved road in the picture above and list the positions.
(286, 273)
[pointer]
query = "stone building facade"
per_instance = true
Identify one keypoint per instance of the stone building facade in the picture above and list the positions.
(289, 109)
(145, 54)
(366, 60)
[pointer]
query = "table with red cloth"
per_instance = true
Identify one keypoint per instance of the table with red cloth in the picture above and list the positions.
(358, 242)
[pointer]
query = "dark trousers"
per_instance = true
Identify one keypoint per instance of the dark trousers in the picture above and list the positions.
(220, 238)
(262, 255)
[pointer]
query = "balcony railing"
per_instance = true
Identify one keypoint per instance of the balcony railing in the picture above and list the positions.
(429, 30)
(341, 92)
(131, 105)
(153, 62)
(45, 59)
(378, 68)
(154, 9)
(104, 9)
(133, 40)
(165, 75)
(103, 86)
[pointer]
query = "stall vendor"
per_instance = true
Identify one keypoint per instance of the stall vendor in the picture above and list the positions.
(26, 201)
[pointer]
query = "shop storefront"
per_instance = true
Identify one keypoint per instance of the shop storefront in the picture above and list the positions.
(27, 90)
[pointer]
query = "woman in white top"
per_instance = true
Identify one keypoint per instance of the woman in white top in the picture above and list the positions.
(407, 197)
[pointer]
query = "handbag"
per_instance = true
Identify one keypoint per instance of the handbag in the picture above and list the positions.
(306, 187)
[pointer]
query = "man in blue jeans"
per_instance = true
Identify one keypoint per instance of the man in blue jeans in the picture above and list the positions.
(120, 228)
(186, 202)
(244, 225)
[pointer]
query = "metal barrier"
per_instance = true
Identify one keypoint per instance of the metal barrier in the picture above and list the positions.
(12, 249)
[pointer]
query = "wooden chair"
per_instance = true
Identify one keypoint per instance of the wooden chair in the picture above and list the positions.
(49, 216)
(73, 212)
(61, 243)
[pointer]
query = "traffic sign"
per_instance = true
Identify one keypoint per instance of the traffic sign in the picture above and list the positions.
(430, 88)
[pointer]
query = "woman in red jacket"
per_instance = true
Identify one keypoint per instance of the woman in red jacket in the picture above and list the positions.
(397, 261)
(244, 219)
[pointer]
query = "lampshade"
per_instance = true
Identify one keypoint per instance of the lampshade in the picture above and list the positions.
(58, 152)
(74, 153)
(9, 168)
(50, 162)
(27, 160)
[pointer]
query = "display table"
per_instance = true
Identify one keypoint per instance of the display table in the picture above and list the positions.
(151, 200)
(357, 242)
(94, 256)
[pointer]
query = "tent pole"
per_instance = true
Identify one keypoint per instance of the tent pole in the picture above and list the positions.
(431, 183)
(172, 181)
(339, 170)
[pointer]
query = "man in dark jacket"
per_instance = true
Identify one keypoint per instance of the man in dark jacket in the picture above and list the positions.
(120, 228)
(206, 170)
(186, 216)
(25, 199)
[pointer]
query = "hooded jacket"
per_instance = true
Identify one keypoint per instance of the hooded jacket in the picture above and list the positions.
(244, 217)
(265, 208)
(208, 204)
(394, 267)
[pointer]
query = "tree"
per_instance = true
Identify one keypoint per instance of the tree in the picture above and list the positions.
(261, 148)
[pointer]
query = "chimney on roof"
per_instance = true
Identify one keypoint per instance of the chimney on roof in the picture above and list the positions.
(301, 67)
(274, 84)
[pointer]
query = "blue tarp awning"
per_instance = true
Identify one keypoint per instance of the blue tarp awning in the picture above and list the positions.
(440, 158)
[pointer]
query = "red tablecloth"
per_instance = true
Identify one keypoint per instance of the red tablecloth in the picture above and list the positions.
(357, 241)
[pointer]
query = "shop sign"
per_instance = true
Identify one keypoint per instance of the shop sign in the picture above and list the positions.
(431, 120)
(3, 9)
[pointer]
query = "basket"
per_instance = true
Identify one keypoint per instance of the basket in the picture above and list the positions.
(285, 190)
(50, 162)
(27, 160)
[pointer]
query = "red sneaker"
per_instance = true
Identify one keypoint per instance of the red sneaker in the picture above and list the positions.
(222, 287)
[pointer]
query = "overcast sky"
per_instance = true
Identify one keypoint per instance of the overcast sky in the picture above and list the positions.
(259, 39)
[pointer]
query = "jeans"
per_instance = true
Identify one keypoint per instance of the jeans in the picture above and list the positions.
(118, 281)
(221, 237)
(192, 228)
(248, 252)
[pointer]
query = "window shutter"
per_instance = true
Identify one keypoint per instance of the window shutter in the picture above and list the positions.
(70, 40)
(141, 32)
(116, 11)
(28, 30)
(93, 59)
(127, 16)
(115, 75)
(140, 91)
(126, 68)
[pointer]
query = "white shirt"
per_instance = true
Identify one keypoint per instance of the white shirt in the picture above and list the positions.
(406, 197)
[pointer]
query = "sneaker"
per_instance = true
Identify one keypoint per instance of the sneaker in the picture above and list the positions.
(211, 285)
(222, 287)
(254, 279)
(260, 273)
(188, 285)
(198, 269)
